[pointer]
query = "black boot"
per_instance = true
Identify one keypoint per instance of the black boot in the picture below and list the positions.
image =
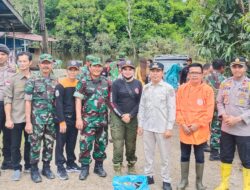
(46, 170)
(34, 173)
(214, 155)
(166, 186)
(150, 180)
(99, 169)
(7, 165)
(84, 172)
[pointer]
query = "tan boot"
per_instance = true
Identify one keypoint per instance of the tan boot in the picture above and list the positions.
(131, 168)
(246, 178)
(117, 169)
(199, 175)
(225, 174)
(184, 176)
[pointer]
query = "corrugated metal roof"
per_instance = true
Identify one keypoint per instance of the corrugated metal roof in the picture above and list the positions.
(27, 36)
(10, 19)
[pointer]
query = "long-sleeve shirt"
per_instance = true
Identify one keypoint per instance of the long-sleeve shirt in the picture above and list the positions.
(234, 99)
(121, 100)
(157, 107)
(194, 105)
(14, 95)
(6, 72)
(65, 101)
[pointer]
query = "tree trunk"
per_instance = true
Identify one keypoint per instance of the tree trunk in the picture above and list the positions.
(43, 26)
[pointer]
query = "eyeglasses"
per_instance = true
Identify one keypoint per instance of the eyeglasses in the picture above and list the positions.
(195, 73)
(237, 66)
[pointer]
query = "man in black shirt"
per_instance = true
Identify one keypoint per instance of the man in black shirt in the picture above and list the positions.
(66, 117)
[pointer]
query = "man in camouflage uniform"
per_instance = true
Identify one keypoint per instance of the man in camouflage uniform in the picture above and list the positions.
(92, 96)
(85, 69)
(6, 72)
(214, 80)
(40, 98)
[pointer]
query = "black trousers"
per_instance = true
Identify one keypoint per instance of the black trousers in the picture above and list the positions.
(6, 135)
(67, 140)
(16, 136)
(198, 152)
(228, 146)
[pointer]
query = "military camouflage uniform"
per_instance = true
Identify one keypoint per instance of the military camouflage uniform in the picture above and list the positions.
(84, 72)
(95, 97)
(214, 80)
(40, 91)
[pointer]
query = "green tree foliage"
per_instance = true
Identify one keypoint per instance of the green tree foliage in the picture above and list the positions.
(220, 29)
(77, 24)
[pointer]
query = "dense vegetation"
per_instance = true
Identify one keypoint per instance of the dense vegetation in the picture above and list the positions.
(204, 28)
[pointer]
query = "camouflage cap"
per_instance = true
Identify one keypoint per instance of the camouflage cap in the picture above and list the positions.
(96, 61)
(46, 57)
(90, 58)
(239, 61)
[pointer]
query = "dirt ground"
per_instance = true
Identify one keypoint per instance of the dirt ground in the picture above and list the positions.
(93, 182)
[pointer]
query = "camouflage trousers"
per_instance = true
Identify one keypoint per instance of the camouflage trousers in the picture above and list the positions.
(215, 132)
(42, 133)
(98, 136)
(123, 133)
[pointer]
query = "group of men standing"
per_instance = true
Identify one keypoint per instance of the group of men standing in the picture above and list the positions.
(46, 108)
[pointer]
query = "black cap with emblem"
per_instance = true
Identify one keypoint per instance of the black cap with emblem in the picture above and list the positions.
(73, 63)
(156, 65)
(239, 61)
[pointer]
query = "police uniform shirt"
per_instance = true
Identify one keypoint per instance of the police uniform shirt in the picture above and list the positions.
(234, 99)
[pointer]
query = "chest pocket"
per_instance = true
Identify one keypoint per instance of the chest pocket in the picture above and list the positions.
(19, 93)
(40, 91)
(242, 99)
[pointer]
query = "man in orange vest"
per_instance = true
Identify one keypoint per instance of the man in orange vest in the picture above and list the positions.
(194, 112)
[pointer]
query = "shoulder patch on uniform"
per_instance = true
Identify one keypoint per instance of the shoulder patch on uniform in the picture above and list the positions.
(57, 93)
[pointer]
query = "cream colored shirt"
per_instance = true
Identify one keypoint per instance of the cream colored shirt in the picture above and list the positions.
(157, 107)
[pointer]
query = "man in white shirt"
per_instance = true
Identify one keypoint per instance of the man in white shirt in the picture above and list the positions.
(156, 119)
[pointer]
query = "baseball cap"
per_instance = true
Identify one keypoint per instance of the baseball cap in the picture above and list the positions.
(156, 65)
(90, 58)
(127, 63)
(96, 61)
(46, 57)
(73, 63)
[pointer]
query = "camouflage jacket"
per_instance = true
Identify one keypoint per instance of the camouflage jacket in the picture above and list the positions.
(41, 92)
(214, 80)
(84, 71)
(94, 95)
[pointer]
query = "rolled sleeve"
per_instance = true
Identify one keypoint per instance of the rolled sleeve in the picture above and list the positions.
(8, 93)
(78, 95)
(80, 91)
